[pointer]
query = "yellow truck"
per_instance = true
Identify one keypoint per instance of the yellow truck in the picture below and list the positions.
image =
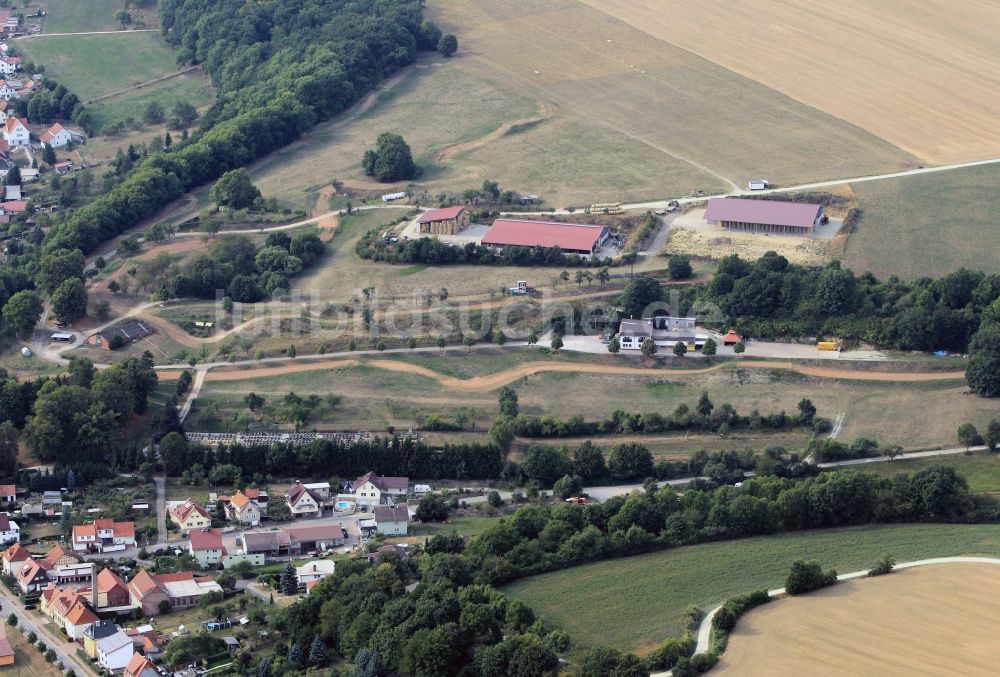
(827, 345)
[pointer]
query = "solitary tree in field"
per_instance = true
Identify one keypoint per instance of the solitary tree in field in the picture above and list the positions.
(739, 348)
(680, 349)
(968, 436)
(564, 276)
(448, 45)
(441, 342)
(556, 343)
(391, 159)
(993, 435)
(532, 338)
(123, 17)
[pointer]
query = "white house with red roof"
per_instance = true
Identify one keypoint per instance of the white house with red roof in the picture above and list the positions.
(15, 132)
(9, 531)
(8, 493)
(56, 136)
(104, 535)
(371, 489)
(206, 546)
(9, 65)
(188, 515)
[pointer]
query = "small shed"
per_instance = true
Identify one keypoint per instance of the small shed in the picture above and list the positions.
(731, 338)
(232, 644)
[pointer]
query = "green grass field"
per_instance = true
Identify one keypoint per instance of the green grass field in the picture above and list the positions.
(982, 470)
(634, 603)
(76, 16)
(927, 225)
(93, 66)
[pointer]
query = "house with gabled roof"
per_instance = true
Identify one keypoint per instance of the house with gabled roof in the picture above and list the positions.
(188, 515)
(206, 546)
(10, 532)
(303, 502)
(114, 651)
(8, 494)
(180, 590)
(96, 632)
(12, 558)
(69, 608)
(104, 535)
(392, 520)
(140, 666)
(371, 489)
(56, 136)
(112, 592)
(15, 132)
(243, 510)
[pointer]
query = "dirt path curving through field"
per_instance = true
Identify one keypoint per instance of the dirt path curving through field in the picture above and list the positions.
(500, 379)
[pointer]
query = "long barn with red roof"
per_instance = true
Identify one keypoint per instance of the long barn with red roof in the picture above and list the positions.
(572, 238)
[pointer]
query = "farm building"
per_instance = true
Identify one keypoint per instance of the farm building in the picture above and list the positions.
(447, 221)
(665, 332)
(764, 216)
(125, 333)
(572, 238)
(731, 338)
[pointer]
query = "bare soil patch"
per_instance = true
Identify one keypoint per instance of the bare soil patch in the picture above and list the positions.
(932, 620)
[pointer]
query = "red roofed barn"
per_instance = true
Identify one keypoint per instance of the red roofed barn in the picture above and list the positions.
(764, 216)
(447, 221)
(572, 238)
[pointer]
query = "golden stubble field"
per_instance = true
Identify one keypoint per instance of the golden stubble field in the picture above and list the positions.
(921, 74)
(934, 620)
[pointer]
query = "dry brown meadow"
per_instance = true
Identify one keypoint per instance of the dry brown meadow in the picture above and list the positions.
(922, 74)
(934, 620)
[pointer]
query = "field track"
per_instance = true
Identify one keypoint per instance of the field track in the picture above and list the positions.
(500, 379)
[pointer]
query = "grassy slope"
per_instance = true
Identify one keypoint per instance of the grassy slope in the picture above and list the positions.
(980, 469)
(93, 66)
(927, 225)
(74, 16)
(374, 398)
(634, 603)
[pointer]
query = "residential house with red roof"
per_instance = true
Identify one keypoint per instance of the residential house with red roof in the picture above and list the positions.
(140, 666)
(188, 515)
(371, 489)
(181, 590)
(15, 132)
(69, 608)
(206, 546)
(13, 557)
(304, 502)
(112, 592)
(104, 535)
(243, 510)
(8, 494)
(9, 64)
(56, 136)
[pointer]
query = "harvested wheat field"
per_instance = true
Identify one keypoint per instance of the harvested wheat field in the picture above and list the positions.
(934, 620)
(921, 74)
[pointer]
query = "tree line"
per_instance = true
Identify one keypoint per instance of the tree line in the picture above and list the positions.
(537, 539)
(703, 416)
(389, 455)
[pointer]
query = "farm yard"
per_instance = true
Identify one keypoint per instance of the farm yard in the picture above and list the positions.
(923, 76)
(635, 603)
(927, 620)
(927, 225)
(116, 88)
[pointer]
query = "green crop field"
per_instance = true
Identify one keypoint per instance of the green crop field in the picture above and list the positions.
(634, 603)
(96, 66)
(927, 225)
